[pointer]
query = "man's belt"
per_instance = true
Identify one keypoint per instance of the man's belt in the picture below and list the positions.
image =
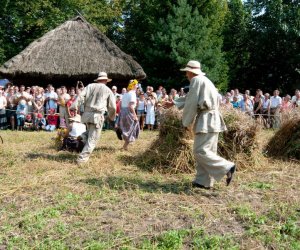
(93, 110)
(201, 111)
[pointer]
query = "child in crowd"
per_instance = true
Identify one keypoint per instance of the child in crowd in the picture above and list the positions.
(28, 125)
(52, 120)
(40, 122)
(21, 112)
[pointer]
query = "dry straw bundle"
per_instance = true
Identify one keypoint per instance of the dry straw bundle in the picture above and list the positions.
(286, 141)
(240, 142)
(172, 152)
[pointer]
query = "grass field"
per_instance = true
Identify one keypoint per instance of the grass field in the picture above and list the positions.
(48, 202)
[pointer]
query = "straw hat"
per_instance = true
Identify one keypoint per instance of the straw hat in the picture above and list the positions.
(76, 118)
(102, 76)
(194, 67)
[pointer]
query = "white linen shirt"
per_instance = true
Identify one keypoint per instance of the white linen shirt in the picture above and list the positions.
(275, 101)
(201, 103)
(128, 98)
(97, 98)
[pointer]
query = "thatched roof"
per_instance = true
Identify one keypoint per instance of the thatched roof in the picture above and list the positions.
(73, 51)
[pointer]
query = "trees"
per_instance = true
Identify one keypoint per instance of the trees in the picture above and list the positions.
(21, 22)
(271, 46)
(236, 42)
(170, 34)
(248, 43)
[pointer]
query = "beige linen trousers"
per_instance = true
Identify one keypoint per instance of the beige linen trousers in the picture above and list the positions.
(210, 167)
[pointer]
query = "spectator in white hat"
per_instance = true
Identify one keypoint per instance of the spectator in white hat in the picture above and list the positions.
(114, 90)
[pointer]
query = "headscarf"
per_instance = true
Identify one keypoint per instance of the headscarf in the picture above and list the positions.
(132, 84)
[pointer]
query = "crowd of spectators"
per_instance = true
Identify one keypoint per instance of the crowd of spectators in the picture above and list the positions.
(37, 108)
(262, 105)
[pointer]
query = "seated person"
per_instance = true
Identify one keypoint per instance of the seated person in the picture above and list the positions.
(40, 122)
(52, 120)
(74, 140)
(28, 125)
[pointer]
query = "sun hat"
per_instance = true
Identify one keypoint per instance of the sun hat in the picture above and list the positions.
(76, 118)
(194, 67)
(114, 87)
(102, 76)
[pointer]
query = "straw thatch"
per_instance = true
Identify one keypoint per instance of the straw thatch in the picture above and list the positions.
(73, 51)
(286, 141)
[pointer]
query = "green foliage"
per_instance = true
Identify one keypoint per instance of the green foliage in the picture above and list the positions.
(215, 242)
(274, 46)
(240, 43)
(236, 39)
(24, 21)
(198, 240)
(188, 35)
(170, 34)
(171, 240)
(260, 185)
(285, 232)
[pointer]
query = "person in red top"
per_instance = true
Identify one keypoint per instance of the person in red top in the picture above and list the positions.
(71, 112)
(52, 120)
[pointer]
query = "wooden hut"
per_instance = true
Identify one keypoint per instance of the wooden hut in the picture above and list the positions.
(73, 51)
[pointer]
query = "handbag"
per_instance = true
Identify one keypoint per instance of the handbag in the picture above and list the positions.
(119, 133)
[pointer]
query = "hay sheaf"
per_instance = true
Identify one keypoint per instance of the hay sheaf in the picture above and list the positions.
(286, 141)
(240, 142)
(172, 151)
(74, 49)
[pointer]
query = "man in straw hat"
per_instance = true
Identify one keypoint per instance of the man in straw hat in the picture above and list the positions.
(201, 103)
(97, 98)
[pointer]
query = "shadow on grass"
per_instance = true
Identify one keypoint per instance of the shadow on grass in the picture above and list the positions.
(149, 186)
(142, 161)
(106, 149)
(61, 157)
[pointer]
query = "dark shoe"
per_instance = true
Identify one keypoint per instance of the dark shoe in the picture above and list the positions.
(119, 133)
(197, 185)
(230, 175)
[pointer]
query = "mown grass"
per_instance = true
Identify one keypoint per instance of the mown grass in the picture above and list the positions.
(48, 202)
